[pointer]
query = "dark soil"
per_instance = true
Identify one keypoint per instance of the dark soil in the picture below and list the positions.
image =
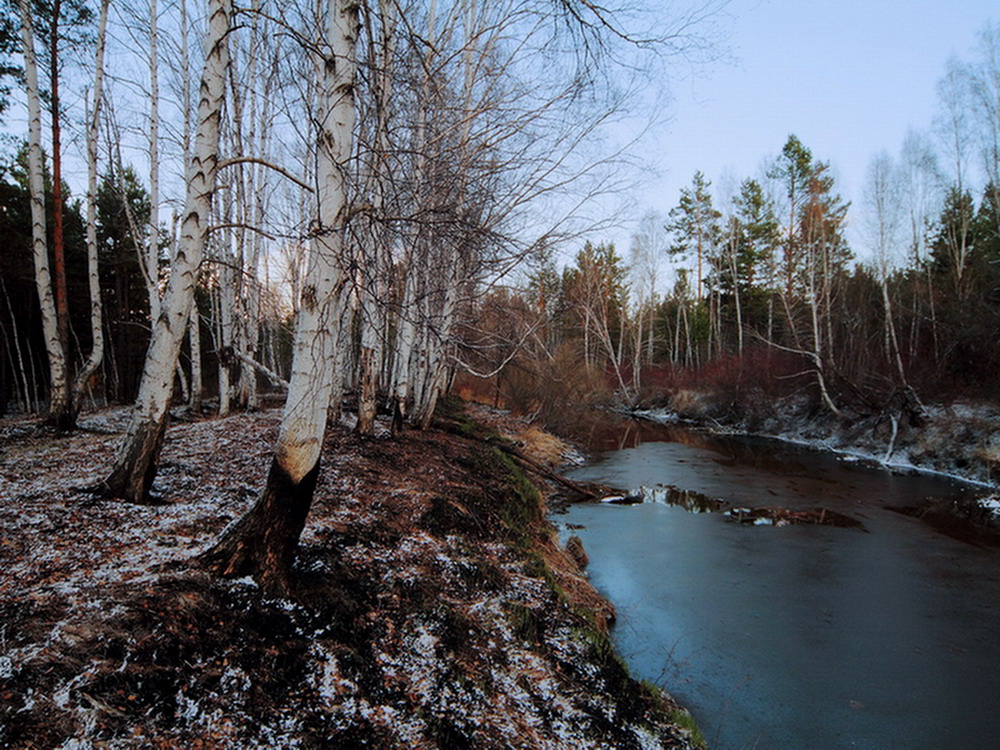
(432, 606)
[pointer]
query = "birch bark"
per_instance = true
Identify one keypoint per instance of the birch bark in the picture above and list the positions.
(135, 466)
(59, 377)
(376, 261)
(93, 275)
(263, 542)
(152, 259)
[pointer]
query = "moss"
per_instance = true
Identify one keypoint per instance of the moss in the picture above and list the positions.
(536, 567)
(587, 614)
(523, 512)
(450, 410)
(683, 719)
(482, 574)
(602, 649)
(526, 623)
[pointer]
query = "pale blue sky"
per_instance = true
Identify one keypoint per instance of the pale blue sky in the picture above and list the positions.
(848, 77)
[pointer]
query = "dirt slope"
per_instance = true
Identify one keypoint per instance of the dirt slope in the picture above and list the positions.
(433, 605)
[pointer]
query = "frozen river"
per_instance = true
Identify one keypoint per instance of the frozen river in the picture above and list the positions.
(802, 636)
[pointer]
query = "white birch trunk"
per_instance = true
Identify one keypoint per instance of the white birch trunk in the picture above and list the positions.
(311, 384)
(263, 542)
(59, 377)
(194, 326)
(135, 465)
(377, 265)
(890, 332)
(224, 338)
(194, 341)
(93, 274)
(152, 258)
(405, 341)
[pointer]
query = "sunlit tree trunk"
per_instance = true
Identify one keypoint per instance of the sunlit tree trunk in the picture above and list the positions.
(135, 466)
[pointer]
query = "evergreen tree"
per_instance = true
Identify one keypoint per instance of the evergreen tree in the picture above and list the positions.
(793, 169)
(596, 289)
(753, 235)
(9, 48)
(695, 226)
(951, 247)
(822, 223)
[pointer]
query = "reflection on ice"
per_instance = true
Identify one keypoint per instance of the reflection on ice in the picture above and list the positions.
(697, 502)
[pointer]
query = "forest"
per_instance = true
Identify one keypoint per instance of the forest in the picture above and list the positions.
(354, 211)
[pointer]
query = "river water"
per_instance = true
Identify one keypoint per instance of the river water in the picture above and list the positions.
(797, 637)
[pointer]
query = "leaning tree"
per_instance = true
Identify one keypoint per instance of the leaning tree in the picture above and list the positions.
(135, 465)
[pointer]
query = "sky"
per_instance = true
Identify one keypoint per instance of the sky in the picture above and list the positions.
(849, 78)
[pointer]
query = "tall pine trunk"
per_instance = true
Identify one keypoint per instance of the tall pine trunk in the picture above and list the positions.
(58, 233)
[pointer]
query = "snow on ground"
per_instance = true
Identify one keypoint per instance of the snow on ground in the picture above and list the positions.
(418, 622)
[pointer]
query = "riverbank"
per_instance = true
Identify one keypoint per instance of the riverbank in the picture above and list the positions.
(959, 440)
(433, 608)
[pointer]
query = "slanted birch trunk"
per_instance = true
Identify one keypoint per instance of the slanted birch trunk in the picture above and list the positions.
(58, 375)
(135, 466)
(263, 542)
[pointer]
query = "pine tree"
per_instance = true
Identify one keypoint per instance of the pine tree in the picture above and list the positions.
(793, 169)
(695, 226)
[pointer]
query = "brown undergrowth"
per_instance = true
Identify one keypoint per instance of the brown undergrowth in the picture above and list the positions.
(433, 606)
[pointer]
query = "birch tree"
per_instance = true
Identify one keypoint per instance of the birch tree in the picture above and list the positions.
(134, 468)
(883, 204)
(649, 246)
(263, 542)
(93, 275)
(59, 398)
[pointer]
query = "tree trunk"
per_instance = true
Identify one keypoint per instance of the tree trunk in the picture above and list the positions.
(93, 274)
(58, 376)
(263, 542)
(135, 468)
(194, 339)
(135, 465)
(58, 235)
(152, 259)
(224, 333)
(366, 391)
(890, 332)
